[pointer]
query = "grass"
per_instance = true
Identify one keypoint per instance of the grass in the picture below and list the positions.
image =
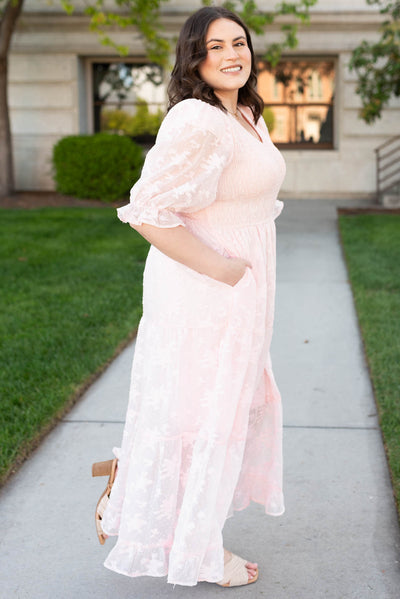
(70, 295)
(372, 249)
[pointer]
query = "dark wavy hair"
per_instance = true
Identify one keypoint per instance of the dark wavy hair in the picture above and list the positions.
(191, 50)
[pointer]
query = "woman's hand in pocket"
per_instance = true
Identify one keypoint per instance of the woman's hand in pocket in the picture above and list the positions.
(234, 269)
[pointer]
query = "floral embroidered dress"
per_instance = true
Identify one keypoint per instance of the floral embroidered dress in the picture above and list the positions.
(203, 430)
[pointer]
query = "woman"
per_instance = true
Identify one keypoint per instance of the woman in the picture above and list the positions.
(203, 429)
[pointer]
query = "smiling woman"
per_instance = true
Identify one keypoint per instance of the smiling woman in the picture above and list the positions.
(203, 432)
(204, 44)
(228, 63)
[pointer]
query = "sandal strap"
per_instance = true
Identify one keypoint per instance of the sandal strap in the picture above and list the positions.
(235, 572)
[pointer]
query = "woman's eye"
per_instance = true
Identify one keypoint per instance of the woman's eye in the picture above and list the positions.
(218, 46)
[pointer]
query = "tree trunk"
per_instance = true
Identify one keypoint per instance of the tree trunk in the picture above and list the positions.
(6, 161)
(8, 21)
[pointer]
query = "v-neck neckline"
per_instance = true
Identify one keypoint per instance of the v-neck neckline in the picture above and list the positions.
(258, 138)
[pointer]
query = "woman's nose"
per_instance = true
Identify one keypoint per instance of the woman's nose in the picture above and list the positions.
(231, 53)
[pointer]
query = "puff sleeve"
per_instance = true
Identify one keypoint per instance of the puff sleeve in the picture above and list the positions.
(181, 172)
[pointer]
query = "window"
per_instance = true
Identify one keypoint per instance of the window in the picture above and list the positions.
(128, 98)
(299, 100)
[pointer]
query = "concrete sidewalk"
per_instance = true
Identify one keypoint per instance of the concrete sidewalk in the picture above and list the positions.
(339, 537)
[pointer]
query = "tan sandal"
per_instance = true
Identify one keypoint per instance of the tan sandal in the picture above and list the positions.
(103, 469)
(236, 573)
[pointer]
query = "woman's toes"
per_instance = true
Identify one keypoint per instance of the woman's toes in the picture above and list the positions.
(251, 569)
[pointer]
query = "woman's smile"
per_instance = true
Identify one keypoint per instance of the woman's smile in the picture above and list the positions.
(232, 69)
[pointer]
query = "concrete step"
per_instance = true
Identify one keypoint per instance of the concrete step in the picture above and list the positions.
(391, 200)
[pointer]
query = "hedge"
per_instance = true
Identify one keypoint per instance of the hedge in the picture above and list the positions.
(100, 166)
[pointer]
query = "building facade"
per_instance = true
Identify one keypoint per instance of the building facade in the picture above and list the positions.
(63, 82)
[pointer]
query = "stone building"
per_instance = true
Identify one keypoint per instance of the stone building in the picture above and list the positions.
(63, 82)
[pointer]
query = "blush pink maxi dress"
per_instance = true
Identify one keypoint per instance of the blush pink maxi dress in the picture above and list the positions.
(203, 432)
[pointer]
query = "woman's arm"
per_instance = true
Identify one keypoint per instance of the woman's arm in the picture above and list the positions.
(180, 245)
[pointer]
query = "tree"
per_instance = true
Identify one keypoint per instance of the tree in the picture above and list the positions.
(144, 17)
(378, 64)
(9, 17)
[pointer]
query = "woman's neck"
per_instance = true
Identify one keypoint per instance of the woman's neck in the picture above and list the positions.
(229, 100)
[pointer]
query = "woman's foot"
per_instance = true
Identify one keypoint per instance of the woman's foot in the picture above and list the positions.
(251, 568)
(237, 571)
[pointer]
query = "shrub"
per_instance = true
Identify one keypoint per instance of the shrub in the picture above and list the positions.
(269, 118)
(114, 120)
(100, 166)
(143, 122)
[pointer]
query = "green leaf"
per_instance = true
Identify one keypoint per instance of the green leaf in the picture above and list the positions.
(67, 6)
(377, 65)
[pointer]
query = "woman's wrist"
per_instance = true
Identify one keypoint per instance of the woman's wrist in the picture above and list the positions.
(230, 270)
(219, 268)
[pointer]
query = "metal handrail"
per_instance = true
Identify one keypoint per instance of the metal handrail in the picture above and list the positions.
(387, 142)
(385, 160)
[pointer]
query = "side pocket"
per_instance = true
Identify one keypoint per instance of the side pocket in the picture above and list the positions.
(244, 281)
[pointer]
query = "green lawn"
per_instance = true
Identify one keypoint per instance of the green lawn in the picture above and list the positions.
(70, 295)
(372, 248)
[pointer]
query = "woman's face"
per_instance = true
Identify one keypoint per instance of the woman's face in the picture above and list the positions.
(227, 66)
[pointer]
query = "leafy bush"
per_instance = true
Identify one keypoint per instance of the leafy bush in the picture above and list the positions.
(144, 121)
(100, 166)
(114, 120)
(141, 123)
(269, 118)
